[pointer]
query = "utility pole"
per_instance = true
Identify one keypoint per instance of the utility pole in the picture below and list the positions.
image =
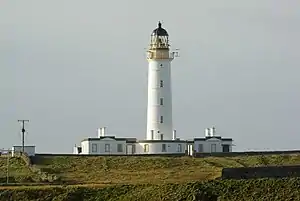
(23, 133)
(7, 169)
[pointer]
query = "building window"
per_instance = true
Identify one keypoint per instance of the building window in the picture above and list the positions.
(146, 147)
(161, 101)
(161, 119)
(179, 148)
(94, 148)
(163, 148)
(161, 136)
(107, 147)
(200, 147)
(213, 148)
(161, 65)
(161, 83)
(120, 148)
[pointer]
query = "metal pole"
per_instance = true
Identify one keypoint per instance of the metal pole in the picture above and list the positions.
(7, 164)
(23, 133)
(7, 170)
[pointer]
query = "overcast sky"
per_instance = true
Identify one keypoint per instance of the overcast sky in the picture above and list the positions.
(72, 66)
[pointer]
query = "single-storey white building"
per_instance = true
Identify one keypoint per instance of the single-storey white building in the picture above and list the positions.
(29, 150)
(111, 145)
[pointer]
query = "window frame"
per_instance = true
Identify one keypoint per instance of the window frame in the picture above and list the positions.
(161, 84)
(179, 147)
(120, 148)
(161, 101)
(146, 148)
(200, 150)
(163, 147)
(105, 148)
(94, 148)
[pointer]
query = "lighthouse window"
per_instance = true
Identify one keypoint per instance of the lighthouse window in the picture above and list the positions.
(161, 101)
(161, 119)
(161, 65)
(161, 83)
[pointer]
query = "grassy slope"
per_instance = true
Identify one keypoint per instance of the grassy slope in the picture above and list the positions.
(150, 178)
(18, 171)
(135, 170)
(236, 190)
(154, 170)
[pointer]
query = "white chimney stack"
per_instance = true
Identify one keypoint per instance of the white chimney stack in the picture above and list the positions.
(103, 131)
(207, 132)
(212, 131)
(99, 132)
(174, 134)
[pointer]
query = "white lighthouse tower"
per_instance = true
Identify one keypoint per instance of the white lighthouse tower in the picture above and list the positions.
(159, 109)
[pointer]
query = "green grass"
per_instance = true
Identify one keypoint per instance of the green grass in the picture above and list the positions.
(217, 190)
(134, 170)
(147, 178)
(154, 170)
(17, 169)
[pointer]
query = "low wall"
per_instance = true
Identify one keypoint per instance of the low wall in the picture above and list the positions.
(250, 153)
(261, 172)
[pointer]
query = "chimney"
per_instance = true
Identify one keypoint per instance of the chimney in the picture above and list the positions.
(99, 130)
(207, 132)
(103, 131)
(212, 131)
(174, 134)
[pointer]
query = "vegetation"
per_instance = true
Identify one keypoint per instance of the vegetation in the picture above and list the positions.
(129, 170)
(221, 190)
(154, 170)
(143, 178)
(18, 170)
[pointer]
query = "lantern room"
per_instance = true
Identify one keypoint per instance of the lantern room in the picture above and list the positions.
(159, 38)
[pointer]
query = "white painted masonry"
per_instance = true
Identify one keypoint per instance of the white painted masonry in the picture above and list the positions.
(161, 138)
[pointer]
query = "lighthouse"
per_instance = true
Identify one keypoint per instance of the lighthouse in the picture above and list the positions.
(159, 106)
(161, 137)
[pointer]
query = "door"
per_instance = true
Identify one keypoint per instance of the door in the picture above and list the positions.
(213, 148)
(225, 148)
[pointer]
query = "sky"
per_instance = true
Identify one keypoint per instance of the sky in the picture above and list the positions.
(73, 66)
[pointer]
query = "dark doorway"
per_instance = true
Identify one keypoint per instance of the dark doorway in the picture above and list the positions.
(225, 147)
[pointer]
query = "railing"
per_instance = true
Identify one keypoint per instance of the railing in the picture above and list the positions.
(160, 55)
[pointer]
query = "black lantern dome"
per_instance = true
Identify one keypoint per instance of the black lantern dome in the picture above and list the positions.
(159, 31)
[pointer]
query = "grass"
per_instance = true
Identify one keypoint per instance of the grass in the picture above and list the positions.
(154, 170)
(134, 170)
(217, 190)
(146, 178)
(18, 170)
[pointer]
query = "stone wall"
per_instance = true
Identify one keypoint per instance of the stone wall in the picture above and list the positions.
(261, 172)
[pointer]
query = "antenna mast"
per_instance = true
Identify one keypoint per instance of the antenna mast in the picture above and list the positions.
(23, 133)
